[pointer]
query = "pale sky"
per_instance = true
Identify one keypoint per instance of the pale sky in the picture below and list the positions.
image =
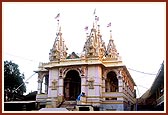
(138, 30)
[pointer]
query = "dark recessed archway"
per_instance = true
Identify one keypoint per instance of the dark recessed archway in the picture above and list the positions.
(72, 85)
(111, 82)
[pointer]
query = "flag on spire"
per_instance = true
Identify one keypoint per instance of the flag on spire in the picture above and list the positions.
(94, 11)
(58, 15)
(86, 28)
(109, 24)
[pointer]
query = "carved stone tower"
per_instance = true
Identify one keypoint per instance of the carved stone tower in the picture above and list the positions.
(59, 50)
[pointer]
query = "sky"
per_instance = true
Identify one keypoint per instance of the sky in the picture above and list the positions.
(138, 30)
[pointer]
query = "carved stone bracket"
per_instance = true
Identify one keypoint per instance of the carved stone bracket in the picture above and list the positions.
(40, 80)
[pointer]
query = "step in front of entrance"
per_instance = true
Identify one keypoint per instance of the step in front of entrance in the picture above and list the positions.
(70, 105)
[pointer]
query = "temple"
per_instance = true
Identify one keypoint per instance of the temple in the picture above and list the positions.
(98, 72)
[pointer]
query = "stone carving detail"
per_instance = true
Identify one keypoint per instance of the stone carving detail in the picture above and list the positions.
(54, 85)
(89, 48)
(102, 50)
(90, 83)
(94, 45)
(40, 80)
(81, 70)
(112, 51)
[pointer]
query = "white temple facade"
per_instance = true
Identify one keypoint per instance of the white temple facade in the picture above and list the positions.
(98, 72)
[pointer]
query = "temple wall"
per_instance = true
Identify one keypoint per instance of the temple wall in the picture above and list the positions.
(53, 77)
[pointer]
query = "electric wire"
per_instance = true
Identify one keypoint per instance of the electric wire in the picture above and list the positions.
(36, 61)
(35, 73)
(141, 72)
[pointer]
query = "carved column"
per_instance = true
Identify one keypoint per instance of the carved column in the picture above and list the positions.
(103, 85)
(120, 80)
(83, 79)
(60, 89)
(61, 83)
(107, 85)
(39, 86)
(83, 83)
(120, 84)
(67, 89)
(45, 88)
(46, 84)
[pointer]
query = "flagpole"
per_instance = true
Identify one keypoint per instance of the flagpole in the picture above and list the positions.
(110, 34)
(94, 16)
(96, 21)
(57, 25)
(57, 17)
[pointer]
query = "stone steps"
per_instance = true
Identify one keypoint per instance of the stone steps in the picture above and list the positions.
(70, 105)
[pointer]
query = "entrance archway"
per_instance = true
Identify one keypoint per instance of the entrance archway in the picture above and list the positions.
(72, 85)
(111, 82)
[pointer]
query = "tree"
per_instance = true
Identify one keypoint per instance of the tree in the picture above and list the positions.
(13, 79)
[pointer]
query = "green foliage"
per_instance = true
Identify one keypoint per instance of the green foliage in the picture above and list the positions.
(13, 78)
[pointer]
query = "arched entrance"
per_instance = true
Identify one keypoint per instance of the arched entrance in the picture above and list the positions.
(111, 82)
(72, 85)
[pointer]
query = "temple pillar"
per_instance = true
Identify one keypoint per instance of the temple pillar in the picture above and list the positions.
(60, 90)
(46, 84)
(67, 90)
(39, 86)
(83, 82)
(120, 84)
(46, 87)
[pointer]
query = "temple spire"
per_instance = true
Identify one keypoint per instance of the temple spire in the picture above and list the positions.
(111, 49)
(59, 49)
(94, 45)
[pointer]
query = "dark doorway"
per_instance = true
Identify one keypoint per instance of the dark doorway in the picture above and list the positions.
(72, 85)
(111, 82)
